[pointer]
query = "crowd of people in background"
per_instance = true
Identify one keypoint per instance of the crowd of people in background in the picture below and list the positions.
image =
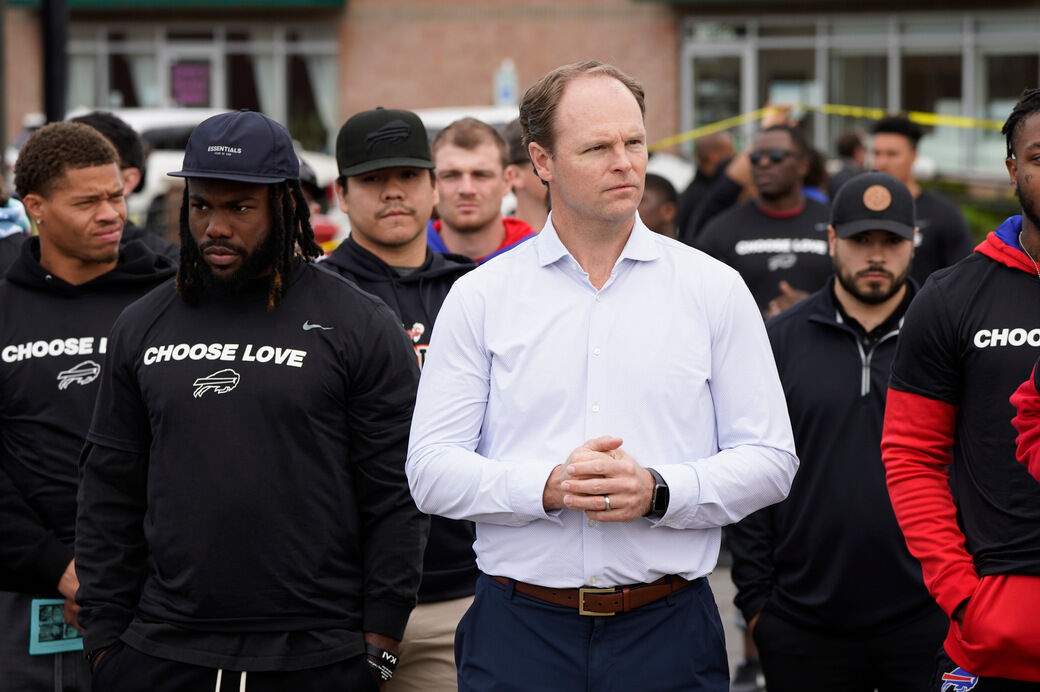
(431, 455)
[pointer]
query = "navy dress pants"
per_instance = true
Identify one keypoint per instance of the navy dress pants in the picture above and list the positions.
(511, 642)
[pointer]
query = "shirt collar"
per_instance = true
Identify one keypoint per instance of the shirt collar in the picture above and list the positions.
(641, 245)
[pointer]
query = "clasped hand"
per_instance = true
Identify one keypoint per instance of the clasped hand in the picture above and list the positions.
(599, 468)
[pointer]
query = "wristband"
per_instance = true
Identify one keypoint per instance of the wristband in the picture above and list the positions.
(381, 661)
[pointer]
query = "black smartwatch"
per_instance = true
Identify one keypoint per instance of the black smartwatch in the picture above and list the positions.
(659, 500)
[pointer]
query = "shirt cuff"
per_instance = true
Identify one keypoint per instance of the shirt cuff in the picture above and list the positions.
(526, 487)
(684, 494)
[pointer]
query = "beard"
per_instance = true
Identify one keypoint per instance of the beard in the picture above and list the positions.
(1028, 206)
(254, 265)
(875, 294)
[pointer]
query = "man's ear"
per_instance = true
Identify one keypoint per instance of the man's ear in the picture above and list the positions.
(832, 239)
(1012, 169)
(131, 179)
(513, 179)
(34, 205)
(341, 197)
(542, 161)
(669, 210)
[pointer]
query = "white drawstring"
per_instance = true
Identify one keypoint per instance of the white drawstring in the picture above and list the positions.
(241, 681)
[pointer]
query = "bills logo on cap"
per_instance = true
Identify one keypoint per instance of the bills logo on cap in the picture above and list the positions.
(393, 131)
(958, 680)
(877, 198)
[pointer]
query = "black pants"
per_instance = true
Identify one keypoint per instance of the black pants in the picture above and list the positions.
(949, 677)
(795, 658)
(125, 669)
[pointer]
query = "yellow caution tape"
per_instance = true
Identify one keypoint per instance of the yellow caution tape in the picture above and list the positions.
(920, 117)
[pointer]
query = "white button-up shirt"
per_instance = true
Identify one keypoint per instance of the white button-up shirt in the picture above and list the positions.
(528, 361)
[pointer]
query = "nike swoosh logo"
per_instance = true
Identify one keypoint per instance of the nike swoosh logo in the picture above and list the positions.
(307, 326)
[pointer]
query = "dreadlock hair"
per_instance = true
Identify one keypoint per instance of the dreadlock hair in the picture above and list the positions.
(1028, 104)
(291, 234)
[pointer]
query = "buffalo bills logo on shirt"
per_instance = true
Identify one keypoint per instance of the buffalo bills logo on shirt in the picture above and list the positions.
(220, 382)
(393, 131)
(959, 680)
(416, 332)
(82, 374)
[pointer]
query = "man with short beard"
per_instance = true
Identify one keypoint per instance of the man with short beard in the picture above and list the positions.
(470, 158)
(243, 509)
(822, 620)
(778, 240)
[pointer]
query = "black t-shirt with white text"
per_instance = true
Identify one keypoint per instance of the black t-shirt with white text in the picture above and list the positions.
(767, 249)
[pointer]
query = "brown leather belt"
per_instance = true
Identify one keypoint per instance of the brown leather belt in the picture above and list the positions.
(589, 601)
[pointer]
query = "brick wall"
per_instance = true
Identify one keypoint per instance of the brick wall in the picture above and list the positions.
(23, 58)
(415, 54)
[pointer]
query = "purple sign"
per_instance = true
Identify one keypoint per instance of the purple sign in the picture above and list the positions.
(189, 83)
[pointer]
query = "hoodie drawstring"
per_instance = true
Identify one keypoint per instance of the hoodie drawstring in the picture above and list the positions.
(241, 681)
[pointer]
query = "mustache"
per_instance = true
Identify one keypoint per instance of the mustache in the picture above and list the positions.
(395, 209)
(229, 247)
(876, 270)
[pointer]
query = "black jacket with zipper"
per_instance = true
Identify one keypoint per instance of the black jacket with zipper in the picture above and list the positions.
(449, 564)
(831, 557)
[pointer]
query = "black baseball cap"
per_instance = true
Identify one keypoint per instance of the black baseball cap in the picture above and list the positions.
(244, 146)
(382, 138)
(873, 202)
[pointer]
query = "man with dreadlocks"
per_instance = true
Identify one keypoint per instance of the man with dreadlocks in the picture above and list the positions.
(243, 508)
(969, 511)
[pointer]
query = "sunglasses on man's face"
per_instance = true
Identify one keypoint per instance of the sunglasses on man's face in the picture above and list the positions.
(775, 155)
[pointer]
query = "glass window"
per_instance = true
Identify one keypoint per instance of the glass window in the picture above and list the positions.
(858, 27)
(131, 81)
(716, 89)
(82, 80)
(932, 83)
(1001, 79)
(855, 80)
(788, 76)
(769, 31)
(715, 31)
(932, 25)
(311, 119)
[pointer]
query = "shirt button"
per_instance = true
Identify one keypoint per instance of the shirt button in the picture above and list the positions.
(595, 408)
(592, 522)
(595, 351)
(598, 299)
(592, 580)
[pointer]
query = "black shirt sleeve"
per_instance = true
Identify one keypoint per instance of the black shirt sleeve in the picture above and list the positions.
(111, 551)
(752, 541)
(33, 558)
(394, 532)
(926, 360)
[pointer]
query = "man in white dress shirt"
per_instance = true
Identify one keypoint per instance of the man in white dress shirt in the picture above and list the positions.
(650, 352)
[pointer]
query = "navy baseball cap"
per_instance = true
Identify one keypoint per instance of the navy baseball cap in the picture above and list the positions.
(382, 138)
(873, 202)
(243, 146)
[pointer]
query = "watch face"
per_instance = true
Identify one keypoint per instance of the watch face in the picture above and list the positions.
(660, 499)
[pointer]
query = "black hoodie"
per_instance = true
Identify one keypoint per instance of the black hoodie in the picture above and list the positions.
(53, 338)
(449, 564)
